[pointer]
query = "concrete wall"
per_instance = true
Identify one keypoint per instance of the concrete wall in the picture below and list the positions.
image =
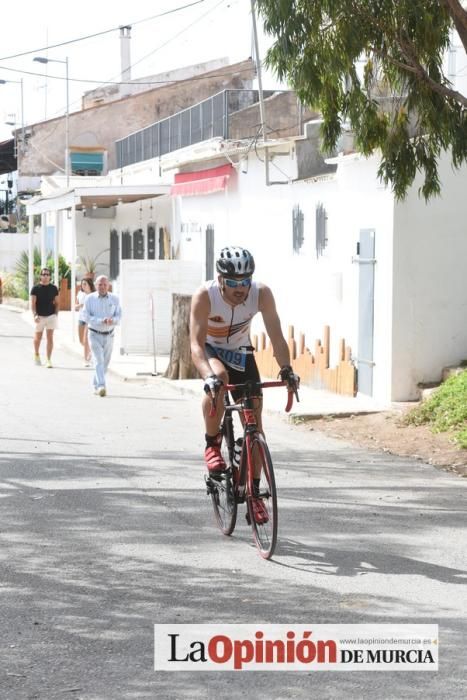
(430, 288)
(284, 116)
(110, 93)
(420, 302)
(310, 292)
(11, 247)
(93, 234)
(101, 126)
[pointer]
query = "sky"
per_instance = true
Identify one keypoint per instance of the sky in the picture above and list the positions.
(208, 29)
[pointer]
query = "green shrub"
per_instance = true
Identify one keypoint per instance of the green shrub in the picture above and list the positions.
(461, 438)
(446, 409)
(22, 268)
(10, 284)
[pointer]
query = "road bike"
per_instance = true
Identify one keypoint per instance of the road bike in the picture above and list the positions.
(243, 458)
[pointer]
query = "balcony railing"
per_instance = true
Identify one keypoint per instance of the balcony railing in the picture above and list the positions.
(205, 120)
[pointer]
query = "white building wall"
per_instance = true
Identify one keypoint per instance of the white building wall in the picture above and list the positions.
(455, 64)
(146, 288)
(11, 247)
(420, 285)
(93, 234)
(430, 289)
(139, 214)
(309, 292)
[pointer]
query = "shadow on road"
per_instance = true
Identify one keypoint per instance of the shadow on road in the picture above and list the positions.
(95, 554)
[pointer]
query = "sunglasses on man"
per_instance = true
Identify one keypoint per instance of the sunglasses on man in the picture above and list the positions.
(246, 282)
(45, 274)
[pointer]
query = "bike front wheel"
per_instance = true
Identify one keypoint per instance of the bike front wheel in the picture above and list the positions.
(223, 501)
(223, 495)
(263, 520)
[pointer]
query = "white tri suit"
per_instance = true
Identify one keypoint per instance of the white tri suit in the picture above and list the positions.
(228, 336)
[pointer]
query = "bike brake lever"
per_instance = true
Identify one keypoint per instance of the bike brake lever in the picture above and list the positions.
(290, 397)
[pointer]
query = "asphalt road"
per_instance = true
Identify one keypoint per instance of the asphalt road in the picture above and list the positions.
(105, 530)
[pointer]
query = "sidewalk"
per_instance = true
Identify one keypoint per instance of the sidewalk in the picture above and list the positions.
(314, 403)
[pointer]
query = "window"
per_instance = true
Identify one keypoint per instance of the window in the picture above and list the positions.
(87, 162)
(321, 233)
(297, 228)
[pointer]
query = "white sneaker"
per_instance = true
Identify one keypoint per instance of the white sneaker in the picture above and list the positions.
(37, 360)
(100, 391)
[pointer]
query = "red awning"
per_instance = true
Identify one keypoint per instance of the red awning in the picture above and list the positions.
(202, 181)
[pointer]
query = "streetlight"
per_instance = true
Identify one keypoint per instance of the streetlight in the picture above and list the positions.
(42, 59)
(20, 83)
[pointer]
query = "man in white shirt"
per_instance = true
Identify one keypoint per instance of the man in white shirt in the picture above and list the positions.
(102, 314)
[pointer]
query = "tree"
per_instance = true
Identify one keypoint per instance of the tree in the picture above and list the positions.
(401, 102)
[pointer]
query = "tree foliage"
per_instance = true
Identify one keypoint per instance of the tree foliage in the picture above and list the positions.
(376, 65)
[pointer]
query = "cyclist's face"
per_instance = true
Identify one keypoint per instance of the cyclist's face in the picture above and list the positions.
(235, 295)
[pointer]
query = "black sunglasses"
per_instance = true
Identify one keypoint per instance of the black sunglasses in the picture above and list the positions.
(45, 274)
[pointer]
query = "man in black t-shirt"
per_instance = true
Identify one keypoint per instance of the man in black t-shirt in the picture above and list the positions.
(44, 306)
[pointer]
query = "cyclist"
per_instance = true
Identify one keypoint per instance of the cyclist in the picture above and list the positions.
(221, 314)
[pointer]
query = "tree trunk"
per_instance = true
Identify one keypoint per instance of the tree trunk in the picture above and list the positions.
(180, 363)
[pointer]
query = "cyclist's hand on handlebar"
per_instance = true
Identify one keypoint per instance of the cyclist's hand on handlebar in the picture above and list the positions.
(288, 375)
(212, 385)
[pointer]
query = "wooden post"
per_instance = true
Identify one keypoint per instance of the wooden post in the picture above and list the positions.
(180, 363)
(64, 296)
(326, 340)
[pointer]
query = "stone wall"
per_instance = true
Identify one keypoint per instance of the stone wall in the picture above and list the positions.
(284, 116)
(101, 126)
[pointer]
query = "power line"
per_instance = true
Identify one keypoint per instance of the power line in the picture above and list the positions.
(106, 31)
(202, 76)
(138, 82)
(119, 82)
(131, 82)
(178, 33)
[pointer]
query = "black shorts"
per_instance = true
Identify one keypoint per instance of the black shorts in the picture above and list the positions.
(251, 373)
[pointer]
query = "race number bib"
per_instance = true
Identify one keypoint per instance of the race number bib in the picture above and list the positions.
(232, 358)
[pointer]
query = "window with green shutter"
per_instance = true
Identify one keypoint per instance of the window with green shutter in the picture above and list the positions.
(87, 163)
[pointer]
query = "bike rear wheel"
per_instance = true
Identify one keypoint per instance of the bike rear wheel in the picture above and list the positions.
(264, 533)
(223, 495)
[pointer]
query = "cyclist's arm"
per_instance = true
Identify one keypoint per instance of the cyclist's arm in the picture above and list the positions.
(200, 310)
(267, 306)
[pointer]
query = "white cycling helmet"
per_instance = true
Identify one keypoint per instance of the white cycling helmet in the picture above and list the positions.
(235, 261)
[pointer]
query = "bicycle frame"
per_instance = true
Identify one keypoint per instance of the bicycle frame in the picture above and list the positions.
(239, 483)
(246, 409)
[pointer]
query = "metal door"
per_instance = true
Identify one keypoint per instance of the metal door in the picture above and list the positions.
(138, 244)
(366, 287)
(114, 254)
(151, 241)
(209, 271)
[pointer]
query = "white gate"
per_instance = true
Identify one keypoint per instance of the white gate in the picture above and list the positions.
(145, 290)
